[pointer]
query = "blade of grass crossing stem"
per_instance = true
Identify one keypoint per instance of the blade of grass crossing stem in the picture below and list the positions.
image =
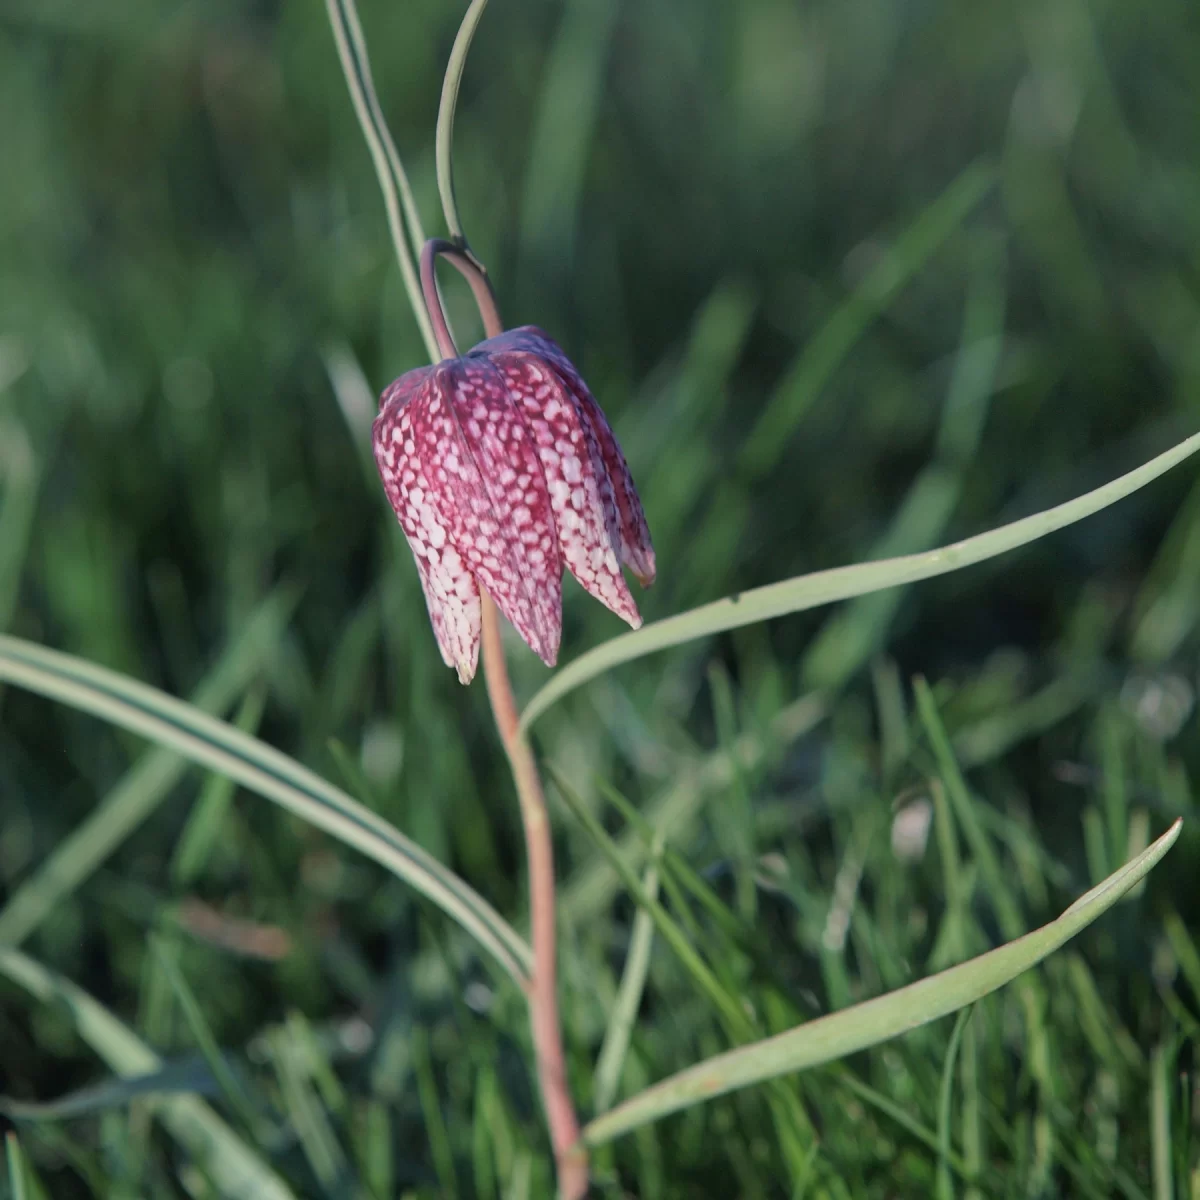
(874, 1021)
(234, 1168)
(266, 771)
(611, 1060)
(825, 352)
(804, 592)
(143, 787)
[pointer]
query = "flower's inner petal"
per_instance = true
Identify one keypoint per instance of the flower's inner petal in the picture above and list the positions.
(499, 504)
(451, 593)
(574, 477)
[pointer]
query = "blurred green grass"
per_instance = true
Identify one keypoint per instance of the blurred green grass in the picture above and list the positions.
(690, 198)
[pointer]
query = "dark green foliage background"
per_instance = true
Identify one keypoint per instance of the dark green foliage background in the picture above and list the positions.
(683, 194)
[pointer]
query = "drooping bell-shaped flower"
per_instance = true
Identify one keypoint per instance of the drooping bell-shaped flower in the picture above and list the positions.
(502, 470)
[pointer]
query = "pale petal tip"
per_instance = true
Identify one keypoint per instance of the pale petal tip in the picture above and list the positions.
(466, 671)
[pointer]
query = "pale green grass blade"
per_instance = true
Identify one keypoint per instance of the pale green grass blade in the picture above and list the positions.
(142, 788)
(874, 1021)
(234, 1168)
(611, 1059)
(264, 770)
(840, 583)
(816, 363)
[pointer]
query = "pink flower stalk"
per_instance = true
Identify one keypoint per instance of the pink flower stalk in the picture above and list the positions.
(502, 469)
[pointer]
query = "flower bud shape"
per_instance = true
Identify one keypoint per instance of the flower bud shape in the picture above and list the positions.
(502, 470)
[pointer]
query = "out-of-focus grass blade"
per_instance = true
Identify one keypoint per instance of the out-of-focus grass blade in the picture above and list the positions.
(233, 1167)
(206, 821)
(868, 1024)
(816, 364)
(191, 1076)
(848, 639)
(264, 770)
(840, 583)
(306, 1113)
(143, 787)
(193, 1014)
(676, 810)
(562, 133)
(629, 997)
(19, 477)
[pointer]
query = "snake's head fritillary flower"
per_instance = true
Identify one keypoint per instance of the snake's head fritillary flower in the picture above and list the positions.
(502, 470)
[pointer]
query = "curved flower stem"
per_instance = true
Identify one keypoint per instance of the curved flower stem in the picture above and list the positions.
(542, 991)
(474, 274)
(569, 1153)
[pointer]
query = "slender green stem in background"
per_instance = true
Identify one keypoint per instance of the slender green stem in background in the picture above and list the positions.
(393, 181)
(445, 121)
(840, 583)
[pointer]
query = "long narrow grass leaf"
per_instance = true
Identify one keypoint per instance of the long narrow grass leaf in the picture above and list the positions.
(875, 1021)
(840, 583)
(142, 788)
(263, 770)
(816, 363)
